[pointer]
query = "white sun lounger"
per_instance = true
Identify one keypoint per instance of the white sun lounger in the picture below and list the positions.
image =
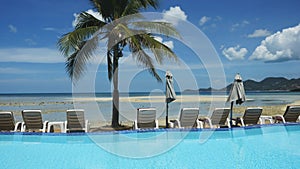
(33, 121)
(146, 118)
(188, 118)
(291, 114)
(251, 116)
(218, 118)
(7, 122)
(76, 121)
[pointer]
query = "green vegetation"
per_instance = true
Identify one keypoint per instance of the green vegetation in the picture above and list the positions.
(79, 45)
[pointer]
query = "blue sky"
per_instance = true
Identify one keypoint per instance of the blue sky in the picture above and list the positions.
(257, 38)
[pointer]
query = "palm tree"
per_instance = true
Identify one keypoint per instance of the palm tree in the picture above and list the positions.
(79, 45)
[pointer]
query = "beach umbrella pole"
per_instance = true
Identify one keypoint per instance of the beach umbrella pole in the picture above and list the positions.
(231, 109)
(167, 112)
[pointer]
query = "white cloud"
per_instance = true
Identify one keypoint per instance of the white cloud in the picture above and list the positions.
(239, 25)
(235, 53)
(31, 55)
(90, 11)
(49, 29)
(281, 46)
(174, 15)
(12, 29)
(218, 18)
(203, 20)
(167, 43)
(12, 70)
(259, 33)
(30, 42)
(207, 22)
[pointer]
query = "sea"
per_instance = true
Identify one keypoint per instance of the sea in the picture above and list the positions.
(98, 106)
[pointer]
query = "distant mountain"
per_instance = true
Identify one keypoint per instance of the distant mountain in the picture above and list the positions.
(272, 84)
(268, 84)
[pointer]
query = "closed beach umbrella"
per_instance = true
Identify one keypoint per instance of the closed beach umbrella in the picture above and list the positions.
(170, 93)
(236, 94)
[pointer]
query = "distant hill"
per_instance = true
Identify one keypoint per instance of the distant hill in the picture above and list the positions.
(268, 84)
(272, 84)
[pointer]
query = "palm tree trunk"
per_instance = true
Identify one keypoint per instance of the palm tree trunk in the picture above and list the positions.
(115, 101)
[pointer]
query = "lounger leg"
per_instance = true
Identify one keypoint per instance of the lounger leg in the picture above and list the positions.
(18, 126)
(199, 124)
(135, 125)
(23, 127)
(242, 121)
(228, 123)
(209, 122)
(45, 127)
(87, 126)
(66, 124)
(156, 124)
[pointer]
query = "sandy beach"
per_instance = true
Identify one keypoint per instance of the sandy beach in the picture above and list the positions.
(204, 101)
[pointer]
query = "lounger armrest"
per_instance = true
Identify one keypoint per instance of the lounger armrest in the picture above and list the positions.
(262, 119)
(279, 117)
(18, 126)
(45, 124)
(87, 126)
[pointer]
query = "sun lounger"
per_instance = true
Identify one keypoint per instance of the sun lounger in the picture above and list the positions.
(291, 114)
(7, 122)
(33, 121)
(146, 118)
(76, 121)
(188, 118)
(250, 117)
(219, 118)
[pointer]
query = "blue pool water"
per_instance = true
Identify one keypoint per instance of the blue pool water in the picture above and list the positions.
(269, 146)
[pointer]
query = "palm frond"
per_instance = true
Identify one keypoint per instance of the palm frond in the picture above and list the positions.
(163, 28)
(83, 55)
(118, 34)
(76, 62)
(114, 9)
(142, 57)
(70, 42)
(159, 49)
(110, 9)
(71, 64)
(87, 20)
(134, 6)
(146, 61)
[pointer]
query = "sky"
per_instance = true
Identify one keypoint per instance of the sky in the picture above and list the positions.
(256, 38)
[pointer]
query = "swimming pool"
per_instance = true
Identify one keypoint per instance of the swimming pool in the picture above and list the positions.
(269, 146)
